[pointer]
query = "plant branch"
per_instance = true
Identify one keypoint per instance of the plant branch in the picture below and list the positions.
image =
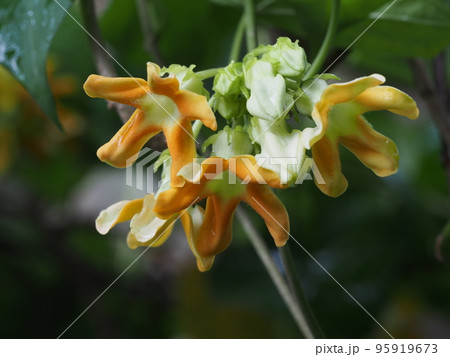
(277, 278)
(440, 80)
(207, 73)
(326, 44)
(237, 40)
(432, 98)
(294, 282)
(249, 13)
(436, 104)
(102, 60)
(149, 38)
(105, 67)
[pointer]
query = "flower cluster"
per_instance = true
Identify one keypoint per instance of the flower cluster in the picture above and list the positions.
(273, 116)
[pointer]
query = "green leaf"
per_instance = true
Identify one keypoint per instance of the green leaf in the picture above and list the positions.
(327, 76)
(408, 28)
(27, 28)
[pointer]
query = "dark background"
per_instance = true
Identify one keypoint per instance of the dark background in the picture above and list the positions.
(377, 240)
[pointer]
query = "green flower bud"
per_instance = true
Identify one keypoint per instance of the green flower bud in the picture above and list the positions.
(229, 142)
(229, 80)
(228, 107)
(187, 77)
(288, 57)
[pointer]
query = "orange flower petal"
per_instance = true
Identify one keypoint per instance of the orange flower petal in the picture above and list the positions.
(122, 150)
(216, 231)
(245, 167)
(181, 147)
(374, 150)
(325, 154)
(121, 90)
(192, 221)
(332, 95)
(388, 98)
(271, 209)
(177, 199)
(168, 86)
(194, 106)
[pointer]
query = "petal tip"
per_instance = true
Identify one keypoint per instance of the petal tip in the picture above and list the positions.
(378, 77)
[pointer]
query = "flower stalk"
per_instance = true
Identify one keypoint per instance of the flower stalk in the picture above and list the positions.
(249, 11)
(326, 44)
(237, 40)
(286, 293)
(294, 282)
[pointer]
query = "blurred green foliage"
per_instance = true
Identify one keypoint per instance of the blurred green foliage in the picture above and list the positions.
(377, 239)
(27, 28)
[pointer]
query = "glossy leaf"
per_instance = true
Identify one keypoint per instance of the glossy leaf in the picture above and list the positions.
(27, 28)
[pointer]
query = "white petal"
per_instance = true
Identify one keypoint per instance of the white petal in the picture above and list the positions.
(108, 217)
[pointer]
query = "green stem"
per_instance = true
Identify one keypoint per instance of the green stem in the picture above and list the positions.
(277, 278)
(237, 40)
(207, 73)
(296, 287)
(326, 44)
(196, 127)
(249, 12)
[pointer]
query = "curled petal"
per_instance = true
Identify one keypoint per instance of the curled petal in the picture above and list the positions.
(120, 90)
(176, 199)
(271, 209)
(216, 231)
(198, 171)
(163, 86)
(119, 212)
(194, 106)
(192, 221)
(160, 237)
(325, 154)
(374, 150)
(248, 170)
(122, 150)
(387, 98)
(181, 146)
(147, 229)
(332, 95)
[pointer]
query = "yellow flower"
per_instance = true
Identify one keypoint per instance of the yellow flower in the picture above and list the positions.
(222, 182)
(338, 115)
(148, 230)
(161, 106)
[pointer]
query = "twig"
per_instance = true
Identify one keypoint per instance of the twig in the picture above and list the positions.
(432, 98)
(103, 62)
(277, 278)
(149, 38)
(440, 80)
(294, 282)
